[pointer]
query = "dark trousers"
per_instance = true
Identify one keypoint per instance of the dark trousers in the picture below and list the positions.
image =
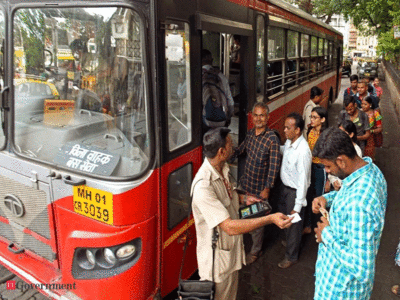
(294, 232)
(316, 189)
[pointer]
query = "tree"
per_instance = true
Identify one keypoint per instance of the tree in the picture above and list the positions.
(322, 9)
(371, 17)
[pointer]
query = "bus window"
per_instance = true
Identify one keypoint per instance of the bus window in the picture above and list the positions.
(179, 199)
(305, 54)
(321, 55)
(334, 54)
(314, 59)
(260, 59)
(177, 59)
(326, 55)
(275, 73)
(79, 89)
(276, 43)
(292, 62)
(276, 57)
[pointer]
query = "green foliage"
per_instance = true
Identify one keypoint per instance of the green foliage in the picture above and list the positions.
(371, 17)
(32, 30)
(389, 47)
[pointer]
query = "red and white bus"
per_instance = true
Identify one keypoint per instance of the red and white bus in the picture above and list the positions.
(97, 151)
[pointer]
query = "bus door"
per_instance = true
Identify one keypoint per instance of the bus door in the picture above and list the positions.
(181, 153)
(229, 53)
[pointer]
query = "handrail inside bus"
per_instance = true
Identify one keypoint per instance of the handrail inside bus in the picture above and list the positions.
(179, 121)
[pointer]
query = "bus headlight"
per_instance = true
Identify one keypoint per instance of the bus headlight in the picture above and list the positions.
(126, 251)
(109, 256)
(95, 263)
(90, 257)
(105, 258)
(86, 259)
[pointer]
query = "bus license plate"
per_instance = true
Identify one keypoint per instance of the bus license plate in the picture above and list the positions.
(93, 203)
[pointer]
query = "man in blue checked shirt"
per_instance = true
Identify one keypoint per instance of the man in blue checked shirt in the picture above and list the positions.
(350, 237)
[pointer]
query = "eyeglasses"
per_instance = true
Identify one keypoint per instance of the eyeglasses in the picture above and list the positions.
(315, 118)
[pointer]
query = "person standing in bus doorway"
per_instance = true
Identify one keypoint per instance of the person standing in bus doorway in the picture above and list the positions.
(215, 204)
(350, 235)
(296, 177)
(235, 52)
(261, 147)
(352, 90)
(315, 100)
(218, 104)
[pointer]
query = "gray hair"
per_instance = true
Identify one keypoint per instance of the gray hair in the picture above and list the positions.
(213, 140)
(261, 105)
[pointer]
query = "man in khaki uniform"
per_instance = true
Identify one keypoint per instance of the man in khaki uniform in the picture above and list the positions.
(216, 204)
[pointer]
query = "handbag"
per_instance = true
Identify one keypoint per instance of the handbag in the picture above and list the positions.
(197, 289)
(378, 139)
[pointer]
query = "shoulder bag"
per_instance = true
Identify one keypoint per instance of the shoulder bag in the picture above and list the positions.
(197, 289)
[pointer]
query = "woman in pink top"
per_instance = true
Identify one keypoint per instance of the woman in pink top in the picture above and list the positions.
(378, 89)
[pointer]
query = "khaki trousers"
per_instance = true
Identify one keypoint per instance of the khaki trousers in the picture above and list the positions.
(228, 288)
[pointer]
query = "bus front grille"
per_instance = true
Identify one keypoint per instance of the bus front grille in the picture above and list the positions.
(25, 208)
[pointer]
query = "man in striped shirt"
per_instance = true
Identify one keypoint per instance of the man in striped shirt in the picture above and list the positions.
(350, 237)
(261, 147)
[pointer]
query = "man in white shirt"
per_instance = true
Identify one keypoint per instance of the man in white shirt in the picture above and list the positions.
(296, 177)
(315, 100)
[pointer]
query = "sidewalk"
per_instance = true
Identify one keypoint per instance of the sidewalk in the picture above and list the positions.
(264, 280)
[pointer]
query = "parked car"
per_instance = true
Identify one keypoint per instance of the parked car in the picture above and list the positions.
(367, 69)
(31, 93)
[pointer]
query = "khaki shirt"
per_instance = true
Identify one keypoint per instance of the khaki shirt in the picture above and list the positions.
(211, 206)
(307, 116)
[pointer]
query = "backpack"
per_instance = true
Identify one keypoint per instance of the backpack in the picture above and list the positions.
(215, 102)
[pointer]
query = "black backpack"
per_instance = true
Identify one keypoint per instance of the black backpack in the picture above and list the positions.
(215, 103)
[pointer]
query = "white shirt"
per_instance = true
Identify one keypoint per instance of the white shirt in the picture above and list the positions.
(296, 169)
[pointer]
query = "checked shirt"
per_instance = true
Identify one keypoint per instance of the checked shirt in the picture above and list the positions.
(262, 161)
(345, 266)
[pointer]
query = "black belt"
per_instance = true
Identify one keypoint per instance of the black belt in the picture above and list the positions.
(288, 187)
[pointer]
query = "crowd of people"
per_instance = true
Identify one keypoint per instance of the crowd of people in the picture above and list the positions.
(324, 179)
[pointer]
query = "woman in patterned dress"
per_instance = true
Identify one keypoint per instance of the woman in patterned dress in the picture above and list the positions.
(375, 122)
(319, 122)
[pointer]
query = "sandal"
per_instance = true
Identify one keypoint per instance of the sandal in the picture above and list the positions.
(396, 290)
(251, 258)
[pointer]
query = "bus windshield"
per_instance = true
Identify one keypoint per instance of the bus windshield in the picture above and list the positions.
(79, 89)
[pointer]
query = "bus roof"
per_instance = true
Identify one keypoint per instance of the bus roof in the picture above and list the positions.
(301, 13)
